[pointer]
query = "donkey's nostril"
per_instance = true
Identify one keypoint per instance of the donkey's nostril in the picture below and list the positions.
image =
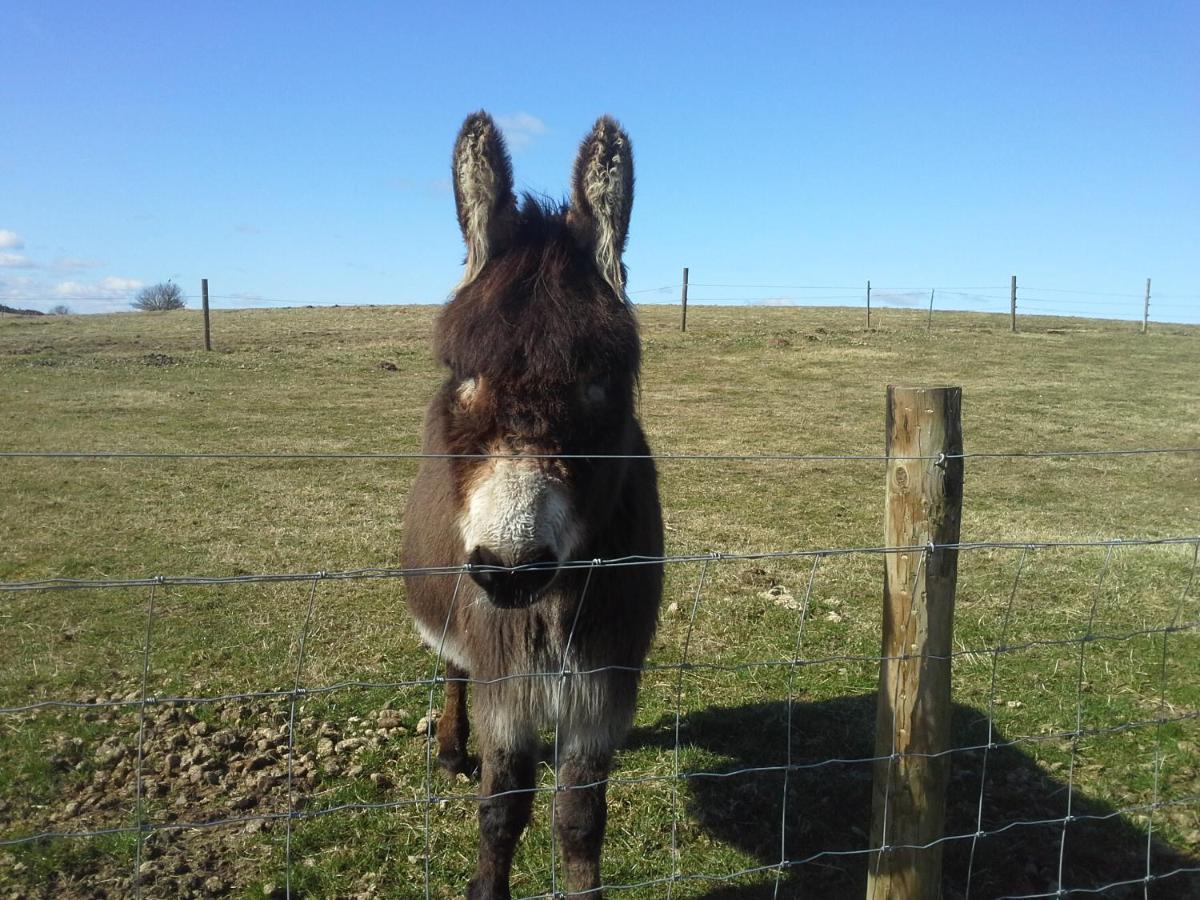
(544, 556)
(515, 584)
(482, 556)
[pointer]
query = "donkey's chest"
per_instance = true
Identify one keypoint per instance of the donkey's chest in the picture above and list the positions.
(533, 643)
(495, 643)
(540, 667)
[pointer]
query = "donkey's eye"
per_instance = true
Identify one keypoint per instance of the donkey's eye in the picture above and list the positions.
(594, 392)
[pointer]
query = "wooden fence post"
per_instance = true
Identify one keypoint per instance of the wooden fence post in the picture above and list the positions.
(924, 508)
(204, 301)
(1012, 294)
(683, 300)
(929, 327)
(1146, 308)
(868, 304)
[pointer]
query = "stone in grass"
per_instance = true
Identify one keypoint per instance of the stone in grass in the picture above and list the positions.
(780, 596)
(109, 752)
(349, 745)
(227, 739)
(389, 718)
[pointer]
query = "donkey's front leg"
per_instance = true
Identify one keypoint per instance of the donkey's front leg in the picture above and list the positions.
(454, 727)
(506, 796)
(580, 816)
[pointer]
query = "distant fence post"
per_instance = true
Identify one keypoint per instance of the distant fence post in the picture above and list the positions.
(923, 509)
(1012, 294)
(929, 326)
(868, 304)
(683, 300)
(204, 302)
(1146, 308)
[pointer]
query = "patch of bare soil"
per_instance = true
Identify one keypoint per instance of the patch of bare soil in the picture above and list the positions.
(214, 781)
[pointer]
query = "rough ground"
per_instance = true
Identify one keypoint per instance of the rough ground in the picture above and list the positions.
(223, 762)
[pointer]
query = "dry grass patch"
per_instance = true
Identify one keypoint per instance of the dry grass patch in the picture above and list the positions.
(741, 381)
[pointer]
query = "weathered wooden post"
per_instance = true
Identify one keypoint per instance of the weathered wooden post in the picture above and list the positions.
(1012, 295)
(204, 303)
(683, 300)
(868, 305)
(1146, 308)
(923, 511)
(929, 327)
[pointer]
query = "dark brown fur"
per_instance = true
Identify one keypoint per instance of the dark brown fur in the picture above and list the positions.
(540, 329)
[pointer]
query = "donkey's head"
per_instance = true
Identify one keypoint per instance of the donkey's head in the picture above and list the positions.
(542, 351)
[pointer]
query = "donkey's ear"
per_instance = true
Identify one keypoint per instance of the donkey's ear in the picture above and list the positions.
(483, 191)
(602, 197)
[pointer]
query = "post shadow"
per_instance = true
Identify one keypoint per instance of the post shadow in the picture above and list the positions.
(829, 807)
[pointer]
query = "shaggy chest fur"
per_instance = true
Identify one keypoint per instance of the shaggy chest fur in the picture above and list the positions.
(535, 669)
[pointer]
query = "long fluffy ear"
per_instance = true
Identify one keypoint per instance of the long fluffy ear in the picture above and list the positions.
(483, 191)
(602, 197)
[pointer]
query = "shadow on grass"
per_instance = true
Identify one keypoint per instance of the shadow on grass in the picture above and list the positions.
(829, 808)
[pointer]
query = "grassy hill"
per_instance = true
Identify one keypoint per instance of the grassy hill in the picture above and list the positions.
(741, 381)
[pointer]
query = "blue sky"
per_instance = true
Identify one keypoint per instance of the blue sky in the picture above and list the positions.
(299, 153)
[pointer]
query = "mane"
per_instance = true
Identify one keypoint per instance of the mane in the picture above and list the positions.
(540, 309)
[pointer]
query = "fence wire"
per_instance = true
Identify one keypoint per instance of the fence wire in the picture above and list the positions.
(143, 825)
(657, 457)
(1112, 306)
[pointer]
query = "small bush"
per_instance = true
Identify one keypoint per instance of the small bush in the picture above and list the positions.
(164, 295)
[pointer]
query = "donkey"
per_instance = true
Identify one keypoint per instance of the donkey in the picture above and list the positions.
(537, 465)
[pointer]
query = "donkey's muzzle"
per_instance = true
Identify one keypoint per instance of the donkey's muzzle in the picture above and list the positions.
(513, 586)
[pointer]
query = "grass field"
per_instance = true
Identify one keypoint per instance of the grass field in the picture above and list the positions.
(748, 380)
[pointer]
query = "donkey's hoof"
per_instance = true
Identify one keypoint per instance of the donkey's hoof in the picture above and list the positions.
(460, 764)
(479, 890)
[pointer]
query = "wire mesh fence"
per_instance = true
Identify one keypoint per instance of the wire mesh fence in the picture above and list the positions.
(780, 772)
(147, 743)
(1178, 305)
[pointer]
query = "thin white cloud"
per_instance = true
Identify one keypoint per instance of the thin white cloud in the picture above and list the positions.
(110, 294)
(121, 284)
(10, 241)
(900, 298)
(49, 283)
(16, 287)
(16, 261)
(74, 263)
(110, 288)
(521, 129)
(75, 290)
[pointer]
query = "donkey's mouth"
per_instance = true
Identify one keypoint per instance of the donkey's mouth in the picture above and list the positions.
(513, 587)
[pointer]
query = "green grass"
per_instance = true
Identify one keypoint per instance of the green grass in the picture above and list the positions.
(797, 381)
